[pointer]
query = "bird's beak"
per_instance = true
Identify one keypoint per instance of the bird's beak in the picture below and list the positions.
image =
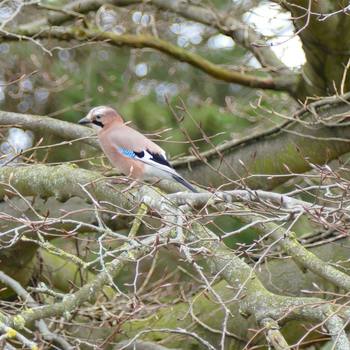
(84, 121)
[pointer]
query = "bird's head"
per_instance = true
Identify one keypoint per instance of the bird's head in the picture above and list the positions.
(101, 117)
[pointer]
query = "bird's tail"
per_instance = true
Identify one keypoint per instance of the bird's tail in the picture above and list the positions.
(183, 182)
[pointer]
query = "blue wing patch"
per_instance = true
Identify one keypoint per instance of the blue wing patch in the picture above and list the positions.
(126, 152)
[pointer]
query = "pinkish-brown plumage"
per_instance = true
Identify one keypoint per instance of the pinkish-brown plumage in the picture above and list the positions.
(128, 150)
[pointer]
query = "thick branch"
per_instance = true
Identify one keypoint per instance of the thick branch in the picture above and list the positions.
(147, 41)
(278, 199)
(61, 182)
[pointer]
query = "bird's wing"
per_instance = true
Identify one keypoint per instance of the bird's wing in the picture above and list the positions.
(146, 156)
(132, 144)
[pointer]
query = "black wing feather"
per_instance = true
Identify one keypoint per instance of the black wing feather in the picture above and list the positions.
(159, 158)
(139, 154)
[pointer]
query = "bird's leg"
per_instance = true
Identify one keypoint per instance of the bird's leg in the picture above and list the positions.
(132, 185)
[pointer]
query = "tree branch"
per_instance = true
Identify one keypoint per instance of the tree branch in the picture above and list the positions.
(147, 41)
(45, 125)
(61, 182)
(290, 245)
(228, 25)
(130, 252)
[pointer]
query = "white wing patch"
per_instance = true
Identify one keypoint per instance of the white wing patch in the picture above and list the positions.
(158, 163)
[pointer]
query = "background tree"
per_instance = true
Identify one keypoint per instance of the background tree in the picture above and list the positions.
(258, 258)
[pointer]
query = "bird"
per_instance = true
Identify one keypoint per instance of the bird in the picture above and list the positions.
(132, 153)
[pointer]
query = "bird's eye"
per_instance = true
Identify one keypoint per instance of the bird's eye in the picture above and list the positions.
(98, 117)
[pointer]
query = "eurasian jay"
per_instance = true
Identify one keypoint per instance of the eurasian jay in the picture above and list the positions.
(128, 150)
